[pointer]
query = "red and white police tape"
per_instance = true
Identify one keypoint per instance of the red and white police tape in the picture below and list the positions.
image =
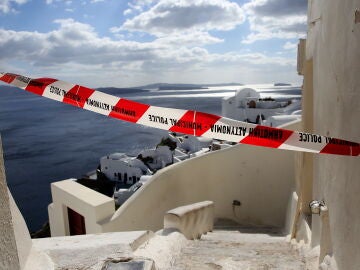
(183, 121)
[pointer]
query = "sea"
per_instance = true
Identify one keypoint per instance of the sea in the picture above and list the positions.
(45, 141)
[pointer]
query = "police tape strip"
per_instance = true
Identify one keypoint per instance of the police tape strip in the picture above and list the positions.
(182, 121)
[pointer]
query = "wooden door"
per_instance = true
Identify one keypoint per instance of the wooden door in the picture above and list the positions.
(76, 223)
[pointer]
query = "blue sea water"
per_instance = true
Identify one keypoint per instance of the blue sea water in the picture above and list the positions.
(46, 141)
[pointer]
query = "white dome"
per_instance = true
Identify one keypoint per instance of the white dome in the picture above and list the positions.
(243, 95)
(246, 93)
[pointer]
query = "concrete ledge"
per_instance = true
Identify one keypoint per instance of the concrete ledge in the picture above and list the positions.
(191, 220)
(15, 241)
(93, 206)
(90, 251)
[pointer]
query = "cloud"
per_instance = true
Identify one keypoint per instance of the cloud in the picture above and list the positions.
(290, 46)
(275, 8)
(78, 42)
(138, 6)
(72, 42)
(6, 5)
(284, 19)
(127, 12)
(168, 16)
(191, 38)
(67, 2)
(75, 52)
(262, 59)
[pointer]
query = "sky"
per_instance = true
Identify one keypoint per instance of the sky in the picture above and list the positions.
(100, 43)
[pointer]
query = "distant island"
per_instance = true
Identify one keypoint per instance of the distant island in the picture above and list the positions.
(9, 90)
(174, 87)
(182, 86)
(115, 90)
(282, 84)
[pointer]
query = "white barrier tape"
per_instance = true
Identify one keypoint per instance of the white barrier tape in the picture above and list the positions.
(183, 121)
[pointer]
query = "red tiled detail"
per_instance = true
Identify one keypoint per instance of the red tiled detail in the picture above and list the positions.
(207, 120)
(128, 110)
(267, 136)
(198, 121)
(341, 147)
(8, 77)
(37, 86)
(78, 95)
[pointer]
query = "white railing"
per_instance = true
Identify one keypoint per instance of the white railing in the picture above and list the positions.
(191, 220)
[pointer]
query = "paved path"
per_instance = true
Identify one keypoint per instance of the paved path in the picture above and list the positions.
(241, 248)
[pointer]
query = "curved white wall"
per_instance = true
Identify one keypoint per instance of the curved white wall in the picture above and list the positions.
(260, 178)
(333, 44)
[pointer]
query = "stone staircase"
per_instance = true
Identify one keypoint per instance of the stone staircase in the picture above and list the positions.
(239, 248)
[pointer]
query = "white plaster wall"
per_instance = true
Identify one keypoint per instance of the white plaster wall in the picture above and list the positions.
(262, 179)
(228, 107)
(15, 241)
(22, 235)
(334, 44)
(291, 213)
(9, 258)
(94, 206)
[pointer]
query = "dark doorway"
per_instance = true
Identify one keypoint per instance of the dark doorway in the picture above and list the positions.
(76, 223)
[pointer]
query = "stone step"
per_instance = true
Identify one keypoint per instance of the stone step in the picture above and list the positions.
(242, 248)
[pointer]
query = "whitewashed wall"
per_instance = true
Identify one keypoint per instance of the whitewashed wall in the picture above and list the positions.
(333, 44)
(262, 179)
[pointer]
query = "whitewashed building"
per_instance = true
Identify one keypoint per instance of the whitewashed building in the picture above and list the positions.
(121, 168)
